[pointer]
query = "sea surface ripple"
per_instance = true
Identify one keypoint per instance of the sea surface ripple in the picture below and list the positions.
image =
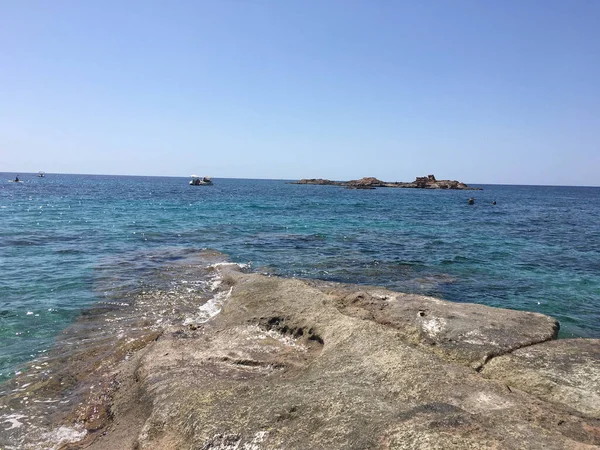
(68, 242)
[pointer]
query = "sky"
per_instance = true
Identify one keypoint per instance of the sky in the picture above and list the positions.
(503, 92)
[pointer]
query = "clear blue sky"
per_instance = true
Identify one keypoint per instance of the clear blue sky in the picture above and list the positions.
(480, 91)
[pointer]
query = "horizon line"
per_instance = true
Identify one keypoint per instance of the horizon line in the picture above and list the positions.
(272, 179)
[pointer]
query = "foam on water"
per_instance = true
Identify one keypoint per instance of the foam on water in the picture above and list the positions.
(209, 309)
(180, 288)
(12, 420)
(40, 438)
(213, 305)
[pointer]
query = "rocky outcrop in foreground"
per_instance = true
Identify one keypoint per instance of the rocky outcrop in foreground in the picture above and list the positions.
(428, 182)
(293, 364)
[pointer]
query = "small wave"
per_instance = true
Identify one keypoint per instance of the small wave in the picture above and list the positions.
(213, 306)
(230, 264)
(173, 292)
(210, 309)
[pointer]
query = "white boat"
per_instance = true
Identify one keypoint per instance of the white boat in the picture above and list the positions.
(200, 181)
(41, 174)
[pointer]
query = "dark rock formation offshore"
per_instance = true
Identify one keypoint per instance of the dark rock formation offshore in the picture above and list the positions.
(428, 182)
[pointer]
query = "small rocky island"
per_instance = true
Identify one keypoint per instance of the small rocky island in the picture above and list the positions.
(428, 182)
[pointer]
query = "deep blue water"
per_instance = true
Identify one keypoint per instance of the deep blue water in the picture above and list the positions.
(69, 241)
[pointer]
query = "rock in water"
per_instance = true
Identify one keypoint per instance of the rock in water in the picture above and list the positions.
(428, 182)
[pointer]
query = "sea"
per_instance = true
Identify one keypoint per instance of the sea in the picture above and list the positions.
(69, 243)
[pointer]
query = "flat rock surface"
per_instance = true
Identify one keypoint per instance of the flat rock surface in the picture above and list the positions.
(290, 364)
(466, 333)
(565, 372)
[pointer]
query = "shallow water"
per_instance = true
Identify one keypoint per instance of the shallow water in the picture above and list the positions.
(62, 394)
(70, 241)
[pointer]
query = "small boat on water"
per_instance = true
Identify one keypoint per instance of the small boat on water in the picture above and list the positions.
(42, 174)
(200, 181)
(16, 180)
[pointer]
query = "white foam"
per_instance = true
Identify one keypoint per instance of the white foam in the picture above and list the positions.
(214, 284)
(63, 435)
(13, 420)
(209, 309)
(40, 439)
(228, 264)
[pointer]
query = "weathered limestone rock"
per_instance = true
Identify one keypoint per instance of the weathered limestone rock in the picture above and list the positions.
(565, 372)
(466, 333)
(296, 365)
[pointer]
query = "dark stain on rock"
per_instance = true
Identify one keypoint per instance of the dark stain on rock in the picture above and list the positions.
(437, 408)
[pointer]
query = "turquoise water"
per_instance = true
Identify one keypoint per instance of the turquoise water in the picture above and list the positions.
(71, 241)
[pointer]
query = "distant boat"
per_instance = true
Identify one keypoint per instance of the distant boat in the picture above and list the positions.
(42, 174)
(200, 181)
